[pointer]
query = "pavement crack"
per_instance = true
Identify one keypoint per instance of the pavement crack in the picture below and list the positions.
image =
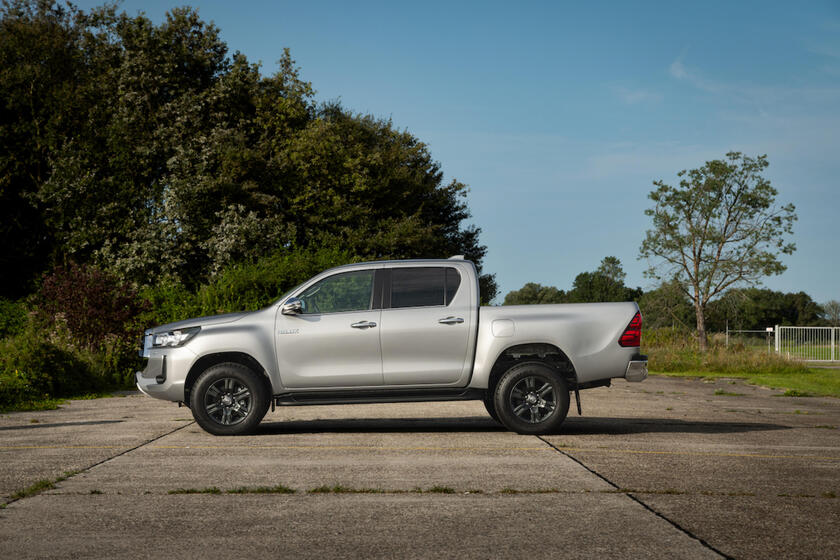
(44, 485)
(135, 448)
(636, 499)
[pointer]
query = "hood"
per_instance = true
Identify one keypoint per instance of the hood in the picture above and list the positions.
(200, 322)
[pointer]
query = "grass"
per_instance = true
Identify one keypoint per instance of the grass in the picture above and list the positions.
(812, 382)
(339, 489)
(210, 490)
(721, 392)
(49, 403)
(34, 489)
(674, 353)
(795, 393)
(279, 489)
(41, 486)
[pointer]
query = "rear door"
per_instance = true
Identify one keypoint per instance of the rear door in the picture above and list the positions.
(426, 325)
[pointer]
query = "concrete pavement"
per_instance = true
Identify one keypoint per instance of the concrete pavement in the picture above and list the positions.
(662, 469)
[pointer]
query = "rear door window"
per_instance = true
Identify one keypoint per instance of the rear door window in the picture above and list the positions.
(423, 286)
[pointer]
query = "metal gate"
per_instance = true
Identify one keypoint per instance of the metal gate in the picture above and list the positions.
(812, 344)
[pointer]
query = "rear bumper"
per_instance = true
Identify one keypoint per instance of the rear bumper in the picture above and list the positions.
(637, 369)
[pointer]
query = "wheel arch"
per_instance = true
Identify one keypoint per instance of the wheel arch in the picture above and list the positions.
(541, 352)
(210, 360)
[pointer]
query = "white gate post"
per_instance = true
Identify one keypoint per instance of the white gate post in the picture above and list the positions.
(777, 339)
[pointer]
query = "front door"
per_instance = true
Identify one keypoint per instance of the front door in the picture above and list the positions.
(334, 341)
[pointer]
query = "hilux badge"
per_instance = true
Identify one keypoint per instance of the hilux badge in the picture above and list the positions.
(288, 331)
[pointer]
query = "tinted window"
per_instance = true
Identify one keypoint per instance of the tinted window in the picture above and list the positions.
(349, 291)
(423, 286)
(453, 280)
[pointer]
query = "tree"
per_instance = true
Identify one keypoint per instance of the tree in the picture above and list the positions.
(719, 228)
(612, 269)
(831, 312)
(666, 306)
(604, 284)
(533, 293)
(147, 151)
(754, 308)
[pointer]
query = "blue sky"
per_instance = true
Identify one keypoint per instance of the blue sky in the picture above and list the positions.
(558, 115)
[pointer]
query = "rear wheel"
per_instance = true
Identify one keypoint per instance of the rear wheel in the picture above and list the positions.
(229, 399)
(532, 398)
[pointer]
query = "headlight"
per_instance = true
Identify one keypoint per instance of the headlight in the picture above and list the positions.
(174, 338)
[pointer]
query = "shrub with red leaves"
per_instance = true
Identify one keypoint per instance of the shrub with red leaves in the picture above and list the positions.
(93, 306)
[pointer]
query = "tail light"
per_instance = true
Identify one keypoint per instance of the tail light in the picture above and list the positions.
(632, 335)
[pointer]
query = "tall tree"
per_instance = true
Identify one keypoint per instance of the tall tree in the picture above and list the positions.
(719, 228)
(147, 150)
(43, 72)
(606, 283)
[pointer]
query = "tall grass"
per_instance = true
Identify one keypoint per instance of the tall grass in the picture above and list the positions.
(676, 351)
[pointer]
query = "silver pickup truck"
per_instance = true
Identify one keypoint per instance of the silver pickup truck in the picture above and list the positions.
(393, 331)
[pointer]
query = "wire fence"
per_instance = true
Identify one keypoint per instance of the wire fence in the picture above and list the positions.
(752, 339)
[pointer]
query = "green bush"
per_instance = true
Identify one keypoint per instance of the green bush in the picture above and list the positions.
(242, 287)
(34, 367)
(14, 390)
(12, 317)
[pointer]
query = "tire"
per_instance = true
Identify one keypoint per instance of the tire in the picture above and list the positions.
(532, 398)
(229, 399)
(490, 406)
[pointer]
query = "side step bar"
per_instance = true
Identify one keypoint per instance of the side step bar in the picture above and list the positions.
(376, 396)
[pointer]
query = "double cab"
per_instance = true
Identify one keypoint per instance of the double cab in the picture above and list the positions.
(392, 331)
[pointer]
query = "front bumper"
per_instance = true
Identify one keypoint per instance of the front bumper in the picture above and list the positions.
(637, 369)
(165, 374)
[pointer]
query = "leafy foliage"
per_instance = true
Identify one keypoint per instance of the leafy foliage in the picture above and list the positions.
(831, 312)
(604, 284)
(719, 228)
(12, 317)
(667, 306)
(32, 368)
(533, 293)
(93, 305)
(241, 287)
(754, 308)
(150, 152)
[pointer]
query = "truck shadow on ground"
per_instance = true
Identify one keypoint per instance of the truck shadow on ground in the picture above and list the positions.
(572, 426)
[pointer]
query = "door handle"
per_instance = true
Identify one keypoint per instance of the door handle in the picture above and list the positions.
(451, 320)
(363, 325)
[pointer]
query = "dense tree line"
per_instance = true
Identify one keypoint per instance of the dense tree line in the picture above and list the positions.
(669, 306)
(150, 152)
(604, 284)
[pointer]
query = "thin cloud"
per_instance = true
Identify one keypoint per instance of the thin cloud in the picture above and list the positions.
(677, 70)
(636, 96)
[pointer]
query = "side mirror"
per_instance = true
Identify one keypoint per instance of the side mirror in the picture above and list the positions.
(293, 306)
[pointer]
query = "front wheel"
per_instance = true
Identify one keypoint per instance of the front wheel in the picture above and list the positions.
(490, 406)
(532, 398)
(229, 399)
